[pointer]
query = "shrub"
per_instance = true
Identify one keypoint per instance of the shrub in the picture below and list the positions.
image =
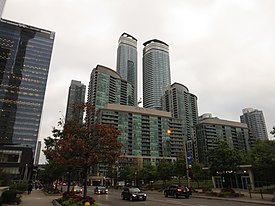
(75, 200)
(19, 186)
(11, 196)
(51, 190)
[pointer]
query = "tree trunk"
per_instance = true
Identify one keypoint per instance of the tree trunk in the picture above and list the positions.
(69, 180)
(85, 181)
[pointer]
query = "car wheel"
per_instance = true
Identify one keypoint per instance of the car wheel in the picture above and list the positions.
(187, 196)
(131, 198)
(122, 197)
(144, 198)
(165, 194)
(175, 195)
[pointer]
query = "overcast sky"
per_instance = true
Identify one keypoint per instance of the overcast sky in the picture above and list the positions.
(222, 50)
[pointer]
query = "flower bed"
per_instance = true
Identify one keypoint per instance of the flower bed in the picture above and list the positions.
(70, 199)
(51, 191)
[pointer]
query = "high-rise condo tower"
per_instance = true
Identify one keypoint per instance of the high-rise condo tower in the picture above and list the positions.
(156, 72)
(127, 60)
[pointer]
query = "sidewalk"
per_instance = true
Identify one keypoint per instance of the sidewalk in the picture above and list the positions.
(37, 197)
(265, 199)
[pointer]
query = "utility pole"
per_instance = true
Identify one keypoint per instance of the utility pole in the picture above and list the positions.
(187, 164)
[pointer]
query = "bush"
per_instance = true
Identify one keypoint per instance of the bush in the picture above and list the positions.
(51, 190)
(11, 196)
(70, 199)
(19, 186)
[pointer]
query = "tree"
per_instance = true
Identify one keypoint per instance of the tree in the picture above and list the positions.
(84, 145)
(263, 158)
(50, 173)
(165, 171)
(148, 173)
(223, 160)
(273, 131)
(197, 173)
(180, 168)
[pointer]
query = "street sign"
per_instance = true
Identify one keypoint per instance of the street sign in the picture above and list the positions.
(189, 158)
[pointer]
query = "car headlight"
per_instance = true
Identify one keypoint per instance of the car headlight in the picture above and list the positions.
(145, 195)
(134, 195)
(106, 190)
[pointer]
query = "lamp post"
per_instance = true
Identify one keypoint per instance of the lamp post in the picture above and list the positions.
(168, 132)
(188, 161)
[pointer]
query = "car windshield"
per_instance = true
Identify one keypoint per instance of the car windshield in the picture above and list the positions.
(134, 190)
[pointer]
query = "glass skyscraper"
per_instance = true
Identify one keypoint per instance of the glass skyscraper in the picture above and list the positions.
(25, 54)
(182, 105)
(256, 123)
(127, 60)
(156, 72)
(107, 86)
(76, 96)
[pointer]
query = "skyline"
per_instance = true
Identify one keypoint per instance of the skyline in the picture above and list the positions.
(212, 44)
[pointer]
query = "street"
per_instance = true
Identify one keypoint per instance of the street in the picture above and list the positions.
(158, 199)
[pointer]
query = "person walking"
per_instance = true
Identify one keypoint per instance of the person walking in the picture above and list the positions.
(30, 187)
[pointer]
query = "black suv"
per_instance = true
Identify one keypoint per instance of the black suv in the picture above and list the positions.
(177, 190)
(133, 193)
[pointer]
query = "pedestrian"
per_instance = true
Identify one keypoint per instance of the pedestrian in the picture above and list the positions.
(30, 186)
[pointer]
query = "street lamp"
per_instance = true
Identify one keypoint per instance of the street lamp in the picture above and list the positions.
(166, 138)
(188, 160)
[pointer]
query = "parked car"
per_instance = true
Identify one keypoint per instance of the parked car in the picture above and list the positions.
(133, 193)
(77, 189)
(177, 190)
(100, 190)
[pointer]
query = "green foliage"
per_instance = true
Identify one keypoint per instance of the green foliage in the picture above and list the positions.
(52, 171)
(165, 170)
(19, 186)
(179, 167)
(10, 197)
(148, 173)
(223, 158)
(76, 200)
(263, 157)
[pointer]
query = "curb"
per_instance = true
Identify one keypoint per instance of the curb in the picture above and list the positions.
(55, 203)
(236, 200)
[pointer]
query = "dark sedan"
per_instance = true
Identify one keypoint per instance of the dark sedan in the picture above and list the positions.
(100, 190)
(133, 193)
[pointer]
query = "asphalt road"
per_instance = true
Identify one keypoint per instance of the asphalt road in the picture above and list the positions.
(158, 199)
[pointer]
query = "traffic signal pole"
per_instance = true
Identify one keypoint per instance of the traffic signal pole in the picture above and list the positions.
(187, 166)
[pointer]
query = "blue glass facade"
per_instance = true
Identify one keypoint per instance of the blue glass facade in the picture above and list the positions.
(156, 72)
(127, 60)
(25, 54)
(76, 96)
